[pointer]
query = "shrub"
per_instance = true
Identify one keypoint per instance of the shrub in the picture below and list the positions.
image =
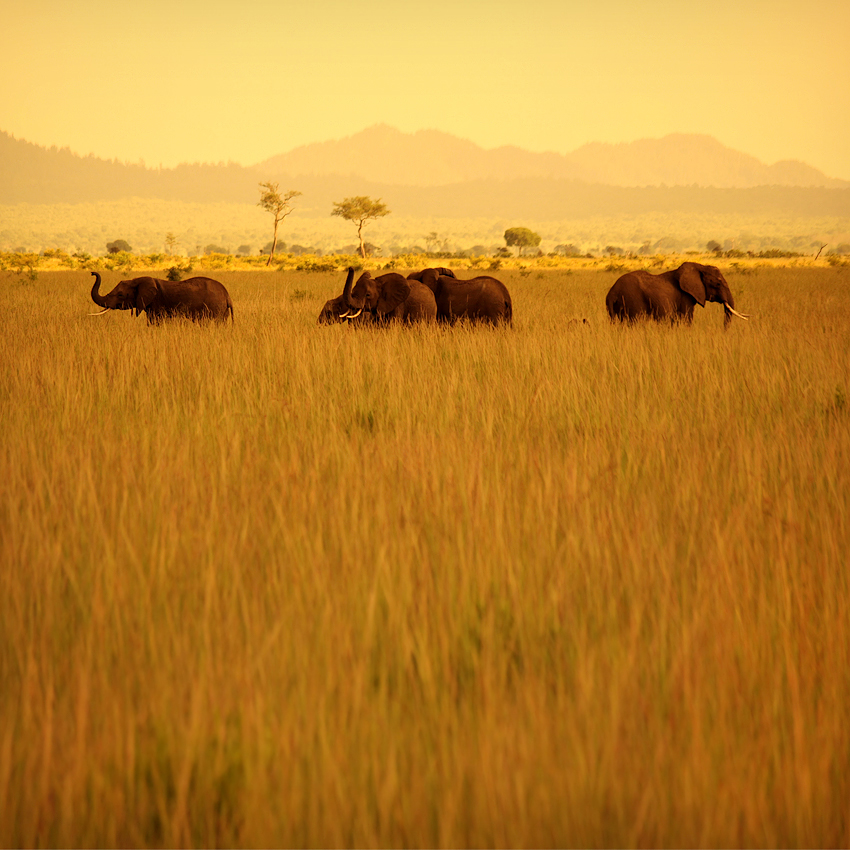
(325, 264)
(217, 260)
(22, 263)
(119, 260)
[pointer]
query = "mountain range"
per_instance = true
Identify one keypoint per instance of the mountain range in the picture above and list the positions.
(383, 154)
(431, 173)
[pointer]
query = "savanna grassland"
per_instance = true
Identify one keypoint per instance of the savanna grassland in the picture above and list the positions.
(565, 583)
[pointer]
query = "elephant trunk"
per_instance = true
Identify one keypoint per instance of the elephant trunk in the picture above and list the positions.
(729, 309)
(346, 292)
(97, 297)
(95, 291)
(351, 311)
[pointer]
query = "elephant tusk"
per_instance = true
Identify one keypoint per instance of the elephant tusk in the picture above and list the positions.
(734, 312)
(345, 315)
(100, 313)
(353, 315)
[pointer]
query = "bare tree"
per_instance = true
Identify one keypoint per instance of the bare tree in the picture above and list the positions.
(360, 209)
(278, 205)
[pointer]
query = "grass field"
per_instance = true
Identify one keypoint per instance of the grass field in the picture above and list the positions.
(561, 584)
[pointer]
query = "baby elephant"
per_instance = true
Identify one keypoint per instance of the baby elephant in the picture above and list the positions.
(196, 298)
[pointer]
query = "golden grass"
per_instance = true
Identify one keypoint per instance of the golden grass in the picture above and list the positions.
(561, 584)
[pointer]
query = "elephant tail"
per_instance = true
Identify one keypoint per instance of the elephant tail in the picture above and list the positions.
(509, 312)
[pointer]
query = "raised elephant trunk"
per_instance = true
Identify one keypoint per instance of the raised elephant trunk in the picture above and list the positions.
(96, 296)
(346, 292)
(352, 312)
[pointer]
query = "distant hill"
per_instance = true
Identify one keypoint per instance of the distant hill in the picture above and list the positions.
(430, 173)
(39, 175)
(383, 154)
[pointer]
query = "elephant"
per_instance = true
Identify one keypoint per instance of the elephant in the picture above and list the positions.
(388, 297)
(671, 295)
(196, 298)
(481, 299)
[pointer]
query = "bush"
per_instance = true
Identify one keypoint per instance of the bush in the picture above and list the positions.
(326, 264)
(777, 252)
(119, 260)
(22, 263)
(55, 254)
(118, 246)
(217, 260)
(837, 261)
(567, 250)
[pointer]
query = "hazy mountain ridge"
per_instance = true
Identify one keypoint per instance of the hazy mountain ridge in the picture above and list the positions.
(429, 157)
(430, 173)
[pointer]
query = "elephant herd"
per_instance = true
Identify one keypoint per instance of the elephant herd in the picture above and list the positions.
(429, 295)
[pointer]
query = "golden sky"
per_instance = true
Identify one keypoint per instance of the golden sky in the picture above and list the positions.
(169, 81)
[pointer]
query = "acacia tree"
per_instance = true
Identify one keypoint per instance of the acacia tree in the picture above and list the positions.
(432, 241)
(271, 200)
(360, 209)
(521, 237)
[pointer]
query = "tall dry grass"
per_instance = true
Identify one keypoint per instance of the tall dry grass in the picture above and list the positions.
(562, 584)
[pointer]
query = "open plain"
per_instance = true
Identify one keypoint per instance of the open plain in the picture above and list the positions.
(565, 583)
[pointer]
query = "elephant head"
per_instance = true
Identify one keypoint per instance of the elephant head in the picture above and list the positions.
(381, 295)
(706, 283)
(430, 277)
(135, 294)
(341, 308)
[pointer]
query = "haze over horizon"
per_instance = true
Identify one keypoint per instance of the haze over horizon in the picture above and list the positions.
(209, 82)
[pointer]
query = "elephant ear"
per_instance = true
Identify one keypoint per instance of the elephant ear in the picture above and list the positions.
(690, 281)
(392, 294)
(146, 292)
